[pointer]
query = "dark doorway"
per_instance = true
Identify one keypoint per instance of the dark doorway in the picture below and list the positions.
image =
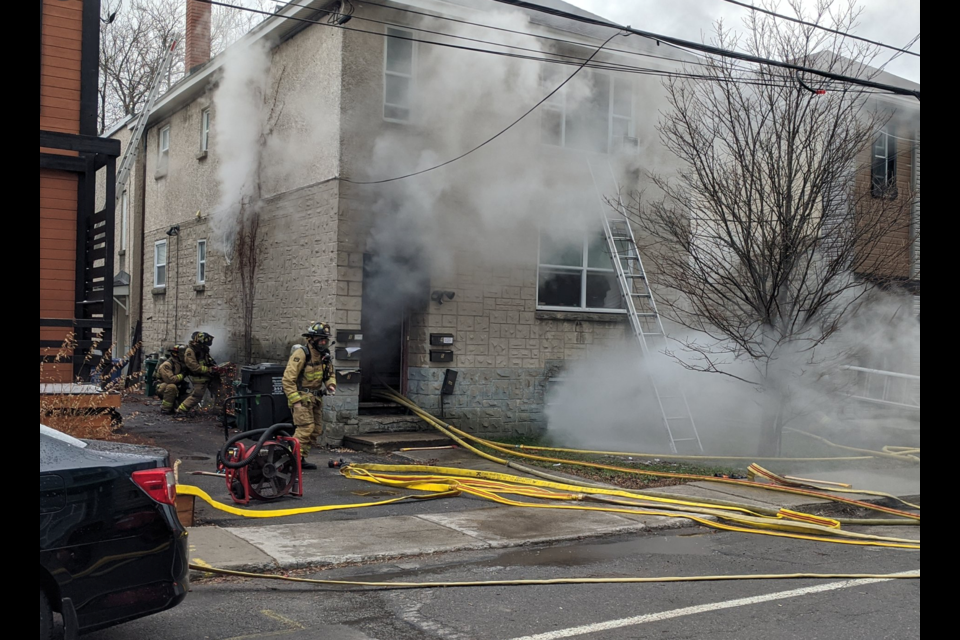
(382, 358)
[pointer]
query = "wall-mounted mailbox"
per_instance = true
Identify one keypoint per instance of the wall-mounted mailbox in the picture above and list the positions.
(349, 335)
(449, 382)
(347, 353)
(441, 355)
(348, 376)
(441, 339)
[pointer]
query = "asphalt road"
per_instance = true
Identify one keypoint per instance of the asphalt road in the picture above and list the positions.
(742, 610)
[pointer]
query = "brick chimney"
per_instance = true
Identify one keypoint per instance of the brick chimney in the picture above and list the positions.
(198, 34)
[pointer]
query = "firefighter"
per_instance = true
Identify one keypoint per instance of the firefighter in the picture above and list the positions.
(201, 368)
(308, 377)
(171, 375)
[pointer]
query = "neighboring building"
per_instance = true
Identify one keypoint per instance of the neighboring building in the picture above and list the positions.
(76, 247)
(891, 170)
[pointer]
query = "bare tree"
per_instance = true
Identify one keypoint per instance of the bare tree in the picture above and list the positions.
(249, 252)
(135, 35)
(766, 235)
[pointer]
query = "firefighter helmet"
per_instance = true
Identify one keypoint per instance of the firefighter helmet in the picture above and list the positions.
(176, 351)
(317, 330)
(202, 338)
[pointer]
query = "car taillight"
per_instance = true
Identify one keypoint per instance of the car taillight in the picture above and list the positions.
(158, 483)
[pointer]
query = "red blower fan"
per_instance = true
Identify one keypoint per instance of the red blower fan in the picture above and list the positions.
(267, 470)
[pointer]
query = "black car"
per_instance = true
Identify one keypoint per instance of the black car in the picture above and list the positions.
(111, 546)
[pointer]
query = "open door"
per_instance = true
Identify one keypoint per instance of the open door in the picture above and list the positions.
(383, 324)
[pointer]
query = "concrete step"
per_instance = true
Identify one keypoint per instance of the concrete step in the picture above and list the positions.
(381, 408)
(387, 442)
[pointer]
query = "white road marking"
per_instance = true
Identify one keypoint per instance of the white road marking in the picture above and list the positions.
(703, 608)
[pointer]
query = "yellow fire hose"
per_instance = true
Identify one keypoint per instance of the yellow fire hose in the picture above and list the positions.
(460, 436)
(786, 523)
(191, 490)
(380, 586)
(442, 482)
(889, 451)
(559, 493)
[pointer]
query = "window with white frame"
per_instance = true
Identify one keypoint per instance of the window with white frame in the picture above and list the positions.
(576, 273)
(163, 143)
(593, 112)
(398, 65)
(160, 263)
(124, 219)
(205, 130)
(883, 169)
(201, 261)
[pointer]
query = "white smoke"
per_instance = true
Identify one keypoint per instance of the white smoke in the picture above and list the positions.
(239, 103)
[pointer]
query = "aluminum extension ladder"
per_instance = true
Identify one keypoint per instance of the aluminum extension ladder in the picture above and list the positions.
(129, 155)
(641, 306)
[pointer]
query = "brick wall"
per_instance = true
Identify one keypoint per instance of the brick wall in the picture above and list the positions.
(891, 256)
(504, 350)
(296, 281)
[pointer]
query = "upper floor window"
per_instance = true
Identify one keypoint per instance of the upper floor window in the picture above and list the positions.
(593, 112)
(124, 219)
(201, 261)
(576, 273)
(883, 169)
(163, 143)
(398, 75)
(160, 263)
(205, 130)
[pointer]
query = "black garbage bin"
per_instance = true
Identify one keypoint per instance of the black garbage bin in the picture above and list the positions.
(265, 380)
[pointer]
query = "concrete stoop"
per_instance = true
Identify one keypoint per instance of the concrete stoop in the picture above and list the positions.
(394, 441)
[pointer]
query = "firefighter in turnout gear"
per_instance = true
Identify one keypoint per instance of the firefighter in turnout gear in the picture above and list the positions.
(308, 377)
(201, 368)
(171, 376)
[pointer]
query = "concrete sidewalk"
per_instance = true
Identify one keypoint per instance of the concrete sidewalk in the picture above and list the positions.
(281, 546)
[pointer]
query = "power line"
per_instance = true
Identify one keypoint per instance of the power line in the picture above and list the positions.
(753, 7)
(574, 61)
(333, 14)
(525, 33)
(897, 55)
(580, 67)
(705, 48)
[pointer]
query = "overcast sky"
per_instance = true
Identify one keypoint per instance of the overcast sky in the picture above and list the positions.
(893, 22)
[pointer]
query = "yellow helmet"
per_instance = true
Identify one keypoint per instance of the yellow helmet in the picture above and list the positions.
(317, 330)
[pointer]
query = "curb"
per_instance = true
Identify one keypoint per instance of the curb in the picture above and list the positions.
(634, 524)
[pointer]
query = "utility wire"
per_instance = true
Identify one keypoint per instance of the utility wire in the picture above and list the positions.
(753, 7)
(528, 34)
(579, 68)
(897, 55)
(705, 48)
(498, 134)
(571, 62)
(334, 14)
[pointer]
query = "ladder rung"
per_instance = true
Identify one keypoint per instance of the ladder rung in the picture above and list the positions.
(683, 439)
(646, 315)
(641, 295)
(635, 275)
